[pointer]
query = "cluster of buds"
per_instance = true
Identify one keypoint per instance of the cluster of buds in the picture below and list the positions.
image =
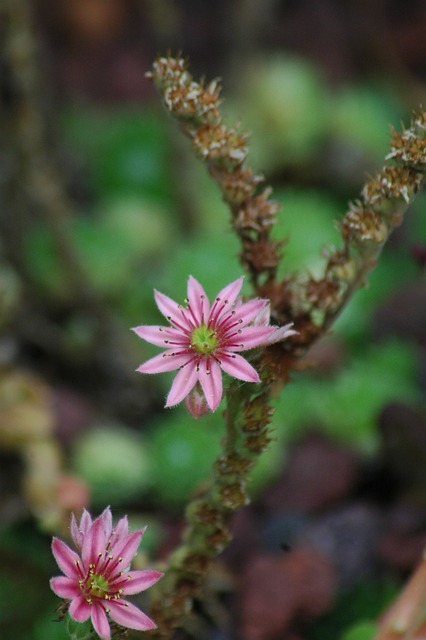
(409, 147)
(224, 150)
(369, 221)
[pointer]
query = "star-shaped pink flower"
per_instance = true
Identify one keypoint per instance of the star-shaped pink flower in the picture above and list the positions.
(97, 578)
(202, 339)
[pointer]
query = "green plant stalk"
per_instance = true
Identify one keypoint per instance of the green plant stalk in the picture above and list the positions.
(207, 532)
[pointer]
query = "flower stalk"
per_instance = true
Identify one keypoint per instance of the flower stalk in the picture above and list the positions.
(207, 532)
(224, 150)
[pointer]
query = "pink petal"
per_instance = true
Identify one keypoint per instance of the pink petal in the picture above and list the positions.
(281, 333)
(100, 621)
(231, 291)
(94, 543)
(210, 377)
(198, 301)
(79, 609)
(129, 616)
(122, 527)
(125, 552)
(118, 533)
(106, 516)
(248, 338)
(76, 534)
(249, 311)
(135, 581)
(85, 522)
(237, 367)
(225, 299)
(66, 558)
(263, 318)
(65, 587)
(173, 311)
(161, 336)
(183, 382)
(165, 361)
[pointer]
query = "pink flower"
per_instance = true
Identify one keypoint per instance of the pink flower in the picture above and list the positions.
(202, 339)
(97, 577)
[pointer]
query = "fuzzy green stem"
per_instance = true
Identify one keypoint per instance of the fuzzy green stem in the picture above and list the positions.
(207, 532)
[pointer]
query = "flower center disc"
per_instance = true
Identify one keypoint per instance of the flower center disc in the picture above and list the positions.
(204, 339)
(98, 586)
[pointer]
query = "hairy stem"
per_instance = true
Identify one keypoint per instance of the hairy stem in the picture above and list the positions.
(207, 533)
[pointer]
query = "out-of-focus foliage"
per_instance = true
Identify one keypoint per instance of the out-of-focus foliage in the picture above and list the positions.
(115, 462)
(347, 404)
(126, 150)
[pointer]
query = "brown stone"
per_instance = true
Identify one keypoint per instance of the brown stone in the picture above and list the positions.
(319, 473)
(277, 590)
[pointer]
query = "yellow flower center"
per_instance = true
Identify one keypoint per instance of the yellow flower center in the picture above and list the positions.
(98, 586)
(204, 339)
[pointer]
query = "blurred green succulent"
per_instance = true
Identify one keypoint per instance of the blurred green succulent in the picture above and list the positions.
(347, 405)
(284, 101)
(115, 463)
(183, 450)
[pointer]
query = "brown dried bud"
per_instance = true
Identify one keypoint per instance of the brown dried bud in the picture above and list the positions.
(361, 224)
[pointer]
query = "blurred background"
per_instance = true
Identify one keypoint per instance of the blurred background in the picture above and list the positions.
(101, 201)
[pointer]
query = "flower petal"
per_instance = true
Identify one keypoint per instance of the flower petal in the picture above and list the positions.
(210, 377)
(135, 581)
(173, 312)
(129, 616)
(120, 531)
(225, 299)
(66, 558)
(281, 333)
(125, 552)
(167, 361)
(79, 609)
(76, 534)
(183, 383)
(106, 516)
(85, 522)
(65, 587)
(250, 311)
(100, 621)
(94, 543)
(168, 307)
(248, 338)
(198, 301)
(161, 336)
(237, 367)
